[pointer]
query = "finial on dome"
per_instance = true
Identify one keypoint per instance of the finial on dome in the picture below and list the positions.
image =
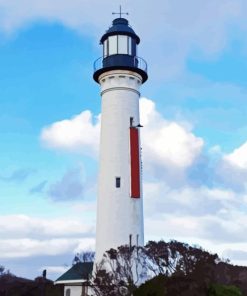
(120, 12)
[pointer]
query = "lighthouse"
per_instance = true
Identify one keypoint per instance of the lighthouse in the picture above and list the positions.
(120, 73)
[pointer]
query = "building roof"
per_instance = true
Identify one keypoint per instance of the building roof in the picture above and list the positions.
(120, 26)
(81, 271)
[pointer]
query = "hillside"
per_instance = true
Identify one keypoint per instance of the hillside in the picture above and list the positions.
(16, 286)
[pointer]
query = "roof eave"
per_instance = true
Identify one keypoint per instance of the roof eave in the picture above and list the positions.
(69, 282)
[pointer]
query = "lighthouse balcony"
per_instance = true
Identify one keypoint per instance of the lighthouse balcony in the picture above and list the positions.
(120, 62)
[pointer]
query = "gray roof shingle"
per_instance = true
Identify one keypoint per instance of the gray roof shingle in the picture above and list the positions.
(79, 271)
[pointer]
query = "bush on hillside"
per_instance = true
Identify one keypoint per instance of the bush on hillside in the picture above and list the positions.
(221, 290)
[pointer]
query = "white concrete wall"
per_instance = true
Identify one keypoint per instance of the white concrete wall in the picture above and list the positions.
(74, 290)
(118, 215)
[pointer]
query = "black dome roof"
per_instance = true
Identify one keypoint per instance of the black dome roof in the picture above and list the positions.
(120, 26)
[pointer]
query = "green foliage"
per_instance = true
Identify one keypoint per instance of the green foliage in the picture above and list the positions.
(14, 286)
(154, 287)
(2, 270)
(221, 290)
(179, 258)
(163, 285)
(174, 286)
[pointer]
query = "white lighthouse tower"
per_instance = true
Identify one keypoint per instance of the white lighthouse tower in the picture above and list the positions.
(120, 74)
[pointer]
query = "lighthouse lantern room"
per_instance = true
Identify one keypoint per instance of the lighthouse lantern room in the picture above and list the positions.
(120, 73)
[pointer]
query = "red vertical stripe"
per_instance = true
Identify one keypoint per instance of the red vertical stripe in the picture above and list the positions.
(134, 162)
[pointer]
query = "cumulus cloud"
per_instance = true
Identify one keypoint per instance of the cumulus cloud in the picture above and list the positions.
(214, 218)
(195, 201)
(39, 188)
(178, 28)
(167, 144)
(78, 134)
(23, 226)
(27, 243)
(239, 255)
(54, 269)
(207, 212)
(228, 226)
(174, 30)
(13, 248)
(231, 170)
(18, 175)
(25, 236)
(70, 187)
(238, 157)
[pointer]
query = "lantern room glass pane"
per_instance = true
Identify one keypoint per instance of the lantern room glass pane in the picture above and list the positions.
(105, 48)
(122, 44)
(112, 45)
(129, 45)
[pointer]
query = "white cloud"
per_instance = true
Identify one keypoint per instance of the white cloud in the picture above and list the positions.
(231, 170)
(216, 232)
(193, 201)
(54, 269)
(214, 218)
(78, 134)
(74, 14)
(167, 143)
(25, 236)
(84, 246)
(16, 248)
(173, 31)
(69, 187)
(23, 226)
(238, 157)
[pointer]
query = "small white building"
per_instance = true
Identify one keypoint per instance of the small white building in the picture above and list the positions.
(75, 280)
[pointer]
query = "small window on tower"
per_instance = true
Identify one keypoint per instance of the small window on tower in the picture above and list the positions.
(118, 182)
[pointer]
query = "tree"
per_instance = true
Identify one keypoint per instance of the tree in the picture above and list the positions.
(221, 290)
(2, 270)
(87, 256)
(169, 268)
(175, 285)
(176, 258)
(153, 287)
(119, 272)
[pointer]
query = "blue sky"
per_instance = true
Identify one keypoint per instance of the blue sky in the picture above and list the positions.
(193, 108)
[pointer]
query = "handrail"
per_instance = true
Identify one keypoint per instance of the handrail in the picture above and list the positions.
(136, 62)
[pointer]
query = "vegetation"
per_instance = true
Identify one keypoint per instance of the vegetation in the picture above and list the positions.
(172, 269)
(10, 285)
(174, 286)
(221, 290)
(88, 256)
